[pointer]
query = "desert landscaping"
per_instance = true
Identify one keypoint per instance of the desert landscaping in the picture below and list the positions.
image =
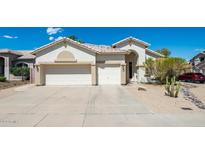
(9, 84)
(154, 97)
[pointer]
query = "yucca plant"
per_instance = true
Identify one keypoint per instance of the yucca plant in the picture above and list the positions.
(172, 88)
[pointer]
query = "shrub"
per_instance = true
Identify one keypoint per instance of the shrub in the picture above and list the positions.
(2, 79)
(21, 71)
(166, 67)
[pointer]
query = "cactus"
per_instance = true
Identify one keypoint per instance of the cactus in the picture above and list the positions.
(177, 90)
(167, 86)
(172, 88)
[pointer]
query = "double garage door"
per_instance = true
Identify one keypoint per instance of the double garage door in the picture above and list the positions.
(81, 75)
(68, 75)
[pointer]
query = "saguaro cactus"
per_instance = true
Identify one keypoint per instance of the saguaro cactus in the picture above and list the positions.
(172, 88)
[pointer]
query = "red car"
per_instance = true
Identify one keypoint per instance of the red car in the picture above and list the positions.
(192, 77)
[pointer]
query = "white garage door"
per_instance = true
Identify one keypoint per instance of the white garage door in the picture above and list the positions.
(109, 74)
(68, 75)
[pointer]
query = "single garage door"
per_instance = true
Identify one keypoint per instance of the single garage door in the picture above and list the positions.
(109, 74)
(68, 75)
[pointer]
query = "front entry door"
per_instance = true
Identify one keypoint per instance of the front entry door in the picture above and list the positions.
(130, 70)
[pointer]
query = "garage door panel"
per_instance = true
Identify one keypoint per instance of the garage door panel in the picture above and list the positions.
(109, 74)
(69, 75)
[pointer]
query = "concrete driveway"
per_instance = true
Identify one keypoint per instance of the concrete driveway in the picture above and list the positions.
(83, 106)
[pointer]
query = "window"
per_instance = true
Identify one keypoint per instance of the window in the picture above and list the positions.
(202, 59)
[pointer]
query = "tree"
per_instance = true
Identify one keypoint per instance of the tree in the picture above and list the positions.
(75, 38)
(166, 67)
(24, 72)
(149, 65)
(164, 51)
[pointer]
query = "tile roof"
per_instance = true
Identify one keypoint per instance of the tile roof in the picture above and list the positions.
(8, 51)
(105, 48)
(27, 56)
(23, 54)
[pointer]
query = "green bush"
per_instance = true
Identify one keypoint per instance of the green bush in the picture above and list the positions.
(166, 67)
(2, 79)
(21, 71)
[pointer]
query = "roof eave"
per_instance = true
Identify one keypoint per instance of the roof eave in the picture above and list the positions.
(25, 58)
(125, 52)
(62, 40)
(9, 52)
(153, 52)
(131, 39)
(201, 53)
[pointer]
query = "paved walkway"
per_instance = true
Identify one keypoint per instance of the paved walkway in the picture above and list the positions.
(84, 106)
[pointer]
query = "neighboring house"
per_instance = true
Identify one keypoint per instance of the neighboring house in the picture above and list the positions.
(198, 63)
(14, 58)
(67, 62)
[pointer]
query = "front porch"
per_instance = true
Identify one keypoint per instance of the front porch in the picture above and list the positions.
(134, 71)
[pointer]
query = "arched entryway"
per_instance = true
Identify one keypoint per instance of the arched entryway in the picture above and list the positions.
(132, 69)
(2, 64)
(21, 64)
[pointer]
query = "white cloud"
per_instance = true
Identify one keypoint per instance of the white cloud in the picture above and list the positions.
(200, 50)
(51, 38)
(10, 37)
(58, 38)
(51, 30)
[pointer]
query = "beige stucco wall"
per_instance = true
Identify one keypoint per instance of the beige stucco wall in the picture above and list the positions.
(138, 48)
(140, 51)
(39, 75)
(94, 74)
(123, 74)
(51, 54)
(109, 58)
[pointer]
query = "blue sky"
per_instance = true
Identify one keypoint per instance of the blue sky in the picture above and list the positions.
(183, 42)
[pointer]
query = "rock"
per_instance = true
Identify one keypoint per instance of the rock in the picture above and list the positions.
(140, 88)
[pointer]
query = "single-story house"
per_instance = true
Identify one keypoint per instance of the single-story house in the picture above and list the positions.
(68, 62)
